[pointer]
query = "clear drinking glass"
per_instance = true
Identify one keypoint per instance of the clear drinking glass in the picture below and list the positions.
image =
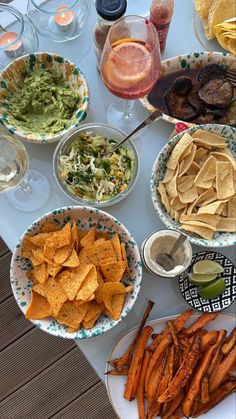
(130, 65)
(27, 190)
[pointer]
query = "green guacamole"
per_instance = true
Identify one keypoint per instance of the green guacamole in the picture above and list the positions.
(44, 102)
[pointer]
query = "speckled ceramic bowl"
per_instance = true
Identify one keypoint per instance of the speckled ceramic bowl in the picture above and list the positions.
(85, 218)
(12, 74)
(220, 239)
(186, 61)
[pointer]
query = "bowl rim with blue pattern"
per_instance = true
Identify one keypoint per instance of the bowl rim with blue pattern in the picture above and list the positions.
(220, 239)
(189, 291)
(85, 217)
(69, 69)
(185, 61)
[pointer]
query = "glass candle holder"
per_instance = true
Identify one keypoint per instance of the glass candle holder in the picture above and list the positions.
(17, 35)
(61, 20)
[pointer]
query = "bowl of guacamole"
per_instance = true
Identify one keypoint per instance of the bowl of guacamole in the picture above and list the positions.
(87, 169)
(42, 97)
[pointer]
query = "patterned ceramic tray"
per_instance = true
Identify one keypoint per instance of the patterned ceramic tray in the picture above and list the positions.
(85, 218)
(191, 60)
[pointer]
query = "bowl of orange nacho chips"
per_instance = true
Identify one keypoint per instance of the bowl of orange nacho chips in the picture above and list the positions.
(76, 272)
(193, 184)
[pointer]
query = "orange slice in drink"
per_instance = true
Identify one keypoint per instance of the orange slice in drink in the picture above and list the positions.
(128, 63)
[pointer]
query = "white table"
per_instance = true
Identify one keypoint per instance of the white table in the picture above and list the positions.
(136, 211)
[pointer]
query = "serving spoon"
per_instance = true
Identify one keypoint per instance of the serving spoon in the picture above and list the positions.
(166, 260)
(154, 116)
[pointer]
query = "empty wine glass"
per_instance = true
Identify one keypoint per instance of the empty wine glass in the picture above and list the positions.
(27, 189)
(130, 65)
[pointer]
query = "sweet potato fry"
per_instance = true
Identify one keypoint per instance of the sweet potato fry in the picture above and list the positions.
(199, 323)
(157, 356)
(184, 373)
(177, 414)
(205, 390)
(126, 357)
(180, 321)
(173, 334)
(217, 357)
(155, 342)
(123, 371)
(172, 406)
(224, 367)
(209, 339)
(216, 397)
(154, 383)
(140, 390)
(229, 343)
(154, 335)
(136, 364)
(195, 384)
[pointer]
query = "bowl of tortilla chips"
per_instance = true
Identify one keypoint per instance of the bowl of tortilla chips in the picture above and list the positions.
(76, 272)
(193, 184)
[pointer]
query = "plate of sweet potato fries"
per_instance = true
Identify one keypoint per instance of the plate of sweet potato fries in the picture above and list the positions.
(176, 367)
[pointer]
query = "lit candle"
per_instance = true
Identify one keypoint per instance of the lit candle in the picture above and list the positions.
(64, 20)
(15, 50)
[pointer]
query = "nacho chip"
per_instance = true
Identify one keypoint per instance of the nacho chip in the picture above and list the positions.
(37, 257)
(232, 207)
(210, 208)
(164, 197)
(225, 155)
(193, 169)
(113, 271)
(49, 250)
(224, 180)
(117, 306)
(40, 289)
(206, 197)
(53, 270)
(27, 247)
(48, 227)
(89, 285)
(55, 295)
(177, 204)
(178, 150)
(89, 239)
(61, 238)
(184, 183)
(171, 187)
(227, 224)
(187, 161)
(80, 302)
(39, 307)
(72, 261)
(40, 273)
(188, 196)
(202, 231)
(62, 254)
(94, 309)
(71, 281)
(72, 316)
(83, 256)
(75, 237)
(208, 219)
(115, 241)
(89, 324)
(109, 289)
(125, 259)
(100, 251)
(201, 154)
(39, 239)
(208, 138)
(169, 173)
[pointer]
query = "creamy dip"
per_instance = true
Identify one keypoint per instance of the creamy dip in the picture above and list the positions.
(162, 242)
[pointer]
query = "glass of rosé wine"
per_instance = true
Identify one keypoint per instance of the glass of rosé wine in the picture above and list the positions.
(130, 65)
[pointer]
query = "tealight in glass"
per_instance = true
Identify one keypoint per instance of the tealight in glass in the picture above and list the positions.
(61, 20)
(17, 35)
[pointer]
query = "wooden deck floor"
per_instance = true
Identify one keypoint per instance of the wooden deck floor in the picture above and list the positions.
(42, 376)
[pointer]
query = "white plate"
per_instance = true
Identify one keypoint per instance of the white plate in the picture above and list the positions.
(115, 385)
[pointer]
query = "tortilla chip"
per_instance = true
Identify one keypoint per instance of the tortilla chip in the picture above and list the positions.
(184, 183)
(53, 270)
(100, 251)
(186, 163)
(115, 241)
(48, 227)
(232, 207)
(188, 196)
(113, 271)
(193, 169)
(206, 197)
(199, 179)
(164, 197)
(55, 295)
(209, 219)
(71, 281)
(94, 309)
(201, 154)
(117, 306)
(89, 285)
(227, 224)
(225, 155)
(80, 302)
(83, 256)
(125, 259)
(39, 307)
(40, 289)
(62, 237)
(75, 237)
(208, 138)
(62, 254)
(72, 261)
(210, 208)
(71, 316)
(49, 251)
(171, 187)
(37, 257)
(89, 239)
(224, 180)
(168, 175)
(27, 247)
(178, 150)
(177, 204)
(109, 289)
(202, 231)
(40, 273)
(39, 239)
(89, 324)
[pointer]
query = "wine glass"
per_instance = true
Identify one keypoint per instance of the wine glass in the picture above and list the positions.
(27, 190)
(130, 65)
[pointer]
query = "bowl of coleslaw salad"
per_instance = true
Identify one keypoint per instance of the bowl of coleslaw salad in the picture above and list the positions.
(86, 169)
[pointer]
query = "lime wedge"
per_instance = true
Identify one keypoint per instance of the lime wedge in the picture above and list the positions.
(201, 279)
(207, 267)
(213, 290)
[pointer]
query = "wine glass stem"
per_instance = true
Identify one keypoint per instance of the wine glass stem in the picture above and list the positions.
(25, 187)
(128, 108)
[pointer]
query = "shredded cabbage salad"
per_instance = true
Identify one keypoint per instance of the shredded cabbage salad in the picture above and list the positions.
(91, 172)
